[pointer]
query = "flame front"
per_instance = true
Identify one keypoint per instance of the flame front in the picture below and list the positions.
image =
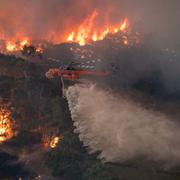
(90, 30)
(6, 131)
(16, 45)
(87, 31)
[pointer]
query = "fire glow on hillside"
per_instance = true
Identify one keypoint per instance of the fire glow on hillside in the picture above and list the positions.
(86, 32)
(51, 141)
(6, 131)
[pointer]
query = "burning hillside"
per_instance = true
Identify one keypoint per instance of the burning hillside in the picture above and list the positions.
(87, 31)
(127, 110)
(51, 142)
(6, 125)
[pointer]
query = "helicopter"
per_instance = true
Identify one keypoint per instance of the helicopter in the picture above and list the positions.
(73, 72)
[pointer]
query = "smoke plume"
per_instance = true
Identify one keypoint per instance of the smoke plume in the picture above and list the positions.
(120, 128)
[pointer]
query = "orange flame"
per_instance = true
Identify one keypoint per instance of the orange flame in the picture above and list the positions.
(51, 141)
(85, 29)
(95, 37)
(16, 45)
(10, 46)
(87, 32)
(39, 50)
(124, 25)
(54, 142)
(71, 37)
(6, 131)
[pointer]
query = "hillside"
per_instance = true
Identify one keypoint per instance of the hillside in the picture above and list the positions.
(39, 113)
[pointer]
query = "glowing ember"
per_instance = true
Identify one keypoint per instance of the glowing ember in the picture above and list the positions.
(51, 141)
(54, 142)
(125, 40)
(87, 32)
(6, 131)
(39, 50)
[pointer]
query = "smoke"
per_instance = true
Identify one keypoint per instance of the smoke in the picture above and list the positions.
(111, 123)
(52, 19)
(47, 19)
(120, 128)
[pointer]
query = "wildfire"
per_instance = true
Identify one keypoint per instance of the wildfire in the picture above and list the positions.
(6, 131)
(70, 37)
(39, 49)
(125, 40)
(87, 32)
(12, 46)
(54, 142)
(51, 141)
